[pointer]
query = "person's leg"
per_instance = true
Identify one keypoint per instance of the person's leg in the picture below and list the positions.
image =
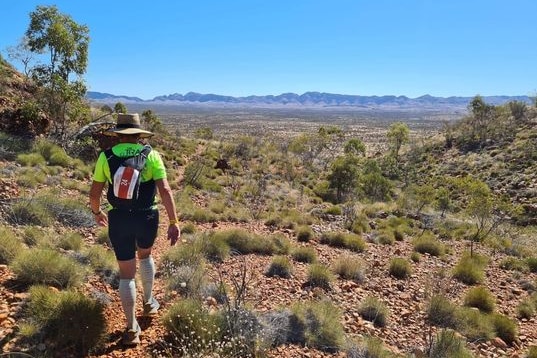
(127, 291)
(147, 272)
(147, 234)
(123, 241)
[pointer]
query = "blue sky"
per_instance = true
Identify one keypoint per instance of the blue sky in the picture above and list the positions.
(239, 48)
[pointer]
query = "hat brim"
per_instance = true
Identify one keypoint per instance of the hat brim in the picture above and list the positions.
(114, 132)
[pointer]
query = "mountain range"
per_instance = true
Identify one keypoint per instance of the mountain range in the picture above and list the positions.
(308, 100)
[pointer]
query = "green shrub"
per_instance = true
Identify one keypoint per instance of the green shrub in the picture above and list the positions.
(400, 268)
(349, 241)
(370, 347)
(280, 266)
(31, 160)
(415, 256)
(319, 276)
(333, 210)
(374, 310)
(281, 245)
(448, 344)
(243, 242)
(474, 325)
(321, 323)
(304, 234)
(441, 312)
(504, 327)
(71, 241)
(102, 237)
(192, 327)
(10, 245)
(427, 244)
(350, 268)
(481, 298)
(525, 309)
(469, 270)
(514, 264)
(386, 238)
(34, 236)
(29, 212)
(67, 319)
(184, 269)
(304, 254)
(47, 267)
(532, 264)
(31, 178)
(59, 157)
(188, 228)
(213, 247)
(101, 259)
(355, 243)
(334, 239)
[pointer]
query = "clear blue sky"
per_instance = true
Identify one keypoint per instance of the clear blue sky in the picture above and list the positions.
(377, 47)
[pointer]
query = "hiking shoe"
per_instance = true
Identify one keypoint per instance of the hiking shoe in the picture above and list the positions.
(131, 337)
(151, 307)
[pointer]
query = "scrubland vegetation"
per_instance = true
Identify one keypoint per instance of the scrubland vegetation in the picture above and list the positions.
(393, 242)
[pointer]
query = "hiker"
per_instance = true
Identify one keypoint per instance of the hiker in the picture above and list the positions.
(133, 221)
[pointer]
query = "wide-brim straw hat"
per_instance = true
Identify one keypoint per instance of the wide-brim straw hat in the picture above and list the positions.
(128, 124)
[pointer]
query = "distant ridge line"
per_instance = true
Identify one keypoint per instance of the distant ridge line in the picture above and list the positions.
(308, 99)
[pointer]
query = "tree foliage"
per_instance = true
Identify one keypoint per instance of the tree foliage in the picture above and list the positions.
(65, 43)
(398, 134)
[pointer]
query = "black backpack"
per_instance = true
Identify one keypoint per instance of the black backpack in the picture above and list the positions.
(127, 190)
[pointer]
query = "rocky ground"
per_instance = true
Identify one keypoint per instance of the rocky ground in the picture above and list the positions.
(406, 331)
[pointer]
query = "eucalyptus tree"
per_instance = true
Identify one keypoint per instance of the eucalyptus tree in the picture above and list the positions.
(63, 44)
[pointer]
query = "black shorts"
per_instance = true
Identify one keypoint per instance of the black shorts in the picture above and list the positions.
(131, 229)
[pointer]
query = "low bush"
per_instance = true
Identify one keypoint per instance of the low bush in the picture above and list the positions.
(469, 269)
(214, 247)
(319, 276)
(10, 245)
(474, 325)
(35, 236)
(374, 310)
(348, 241)
(448, 343)
(427, 244)
(47, 267)
(415, 256)
(31, 160)
(504, 327)
(192, 328)
(514, 264)
(385, 238)
(532, 264)
(400, 268)
(442, 312)
(71, 241)
(369, 347)
(30, 212)
(481, 298)
(320, 323)
(304, 254)
(525, 309)
(66, 320)
(280, 266)
(304, 234)
(349, 268)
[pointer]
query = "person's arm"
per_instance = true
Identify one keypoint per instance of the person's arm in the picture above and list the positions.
(166, 196)
(95, 203)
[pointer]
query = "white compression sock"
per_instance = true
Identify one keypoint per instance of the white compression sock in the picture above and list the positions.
(127, 294)
(147, 274)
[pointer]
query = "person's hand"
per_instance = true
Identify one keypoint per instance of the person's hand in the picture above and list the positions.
(173, 234)
(101, 218)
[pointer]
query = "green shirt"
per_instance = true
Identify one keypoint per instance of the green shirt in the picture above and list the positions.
(154, 168)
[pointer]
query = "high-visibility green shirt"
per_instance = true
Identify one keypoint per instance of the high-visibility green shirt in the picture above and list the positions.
(154, 168)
